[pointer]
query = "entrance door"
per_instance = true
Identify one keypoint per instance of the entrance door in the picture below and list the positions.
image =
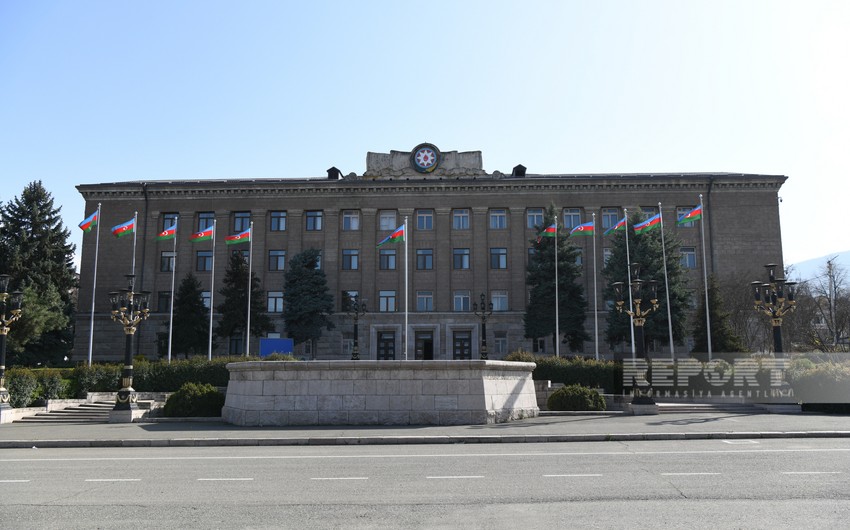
(462, 345)
(386, 345)
(424, 346)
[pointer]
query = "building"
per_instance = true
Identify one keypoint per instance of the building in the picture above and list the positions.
(469, 233)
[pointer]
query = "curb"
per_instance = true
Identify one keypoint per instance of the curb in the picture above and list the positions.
(414, 440)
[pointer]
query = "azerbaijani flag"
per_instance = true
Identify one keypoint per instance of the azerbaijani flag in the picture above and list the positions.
(549, 231)
(241, 237)
(585, 229)
(168, 233)
(89, 222)
(124, 228)
(693, 215)
(396, 237)
(203, 235)
(621, 225)
(649, 224)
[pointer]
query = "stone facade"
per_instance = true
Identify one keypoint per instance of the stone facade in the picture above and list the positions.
(456, 207)
(379, 393)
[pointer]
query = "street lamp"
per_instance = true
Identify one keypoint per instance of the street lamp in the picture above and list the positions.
(10, 311)
(356, 309)
(128, 309)
(483, 311)
(638, 316)
(775, 299)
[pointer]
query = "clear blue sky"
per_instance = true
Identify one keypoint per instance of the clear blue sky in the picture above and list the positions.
(103, 91)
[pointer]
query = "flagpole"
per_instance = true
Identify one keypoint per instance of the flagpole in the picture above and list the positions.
(250, 255)
(666, 284)
(94, 284)
(595, 293)
(705, 275)
(406, 304)
(135, 234)
(173, 272)
(212, 292)
(557, 327)
(629, 276)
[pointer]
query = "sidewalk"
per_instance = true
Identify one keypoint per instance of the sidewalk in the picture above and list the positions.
(549, 427)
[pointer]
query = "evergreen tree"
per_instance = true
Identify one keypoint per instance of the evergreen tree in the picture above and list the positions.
(233, 309)
(190, 330)
(723, 338)
(646, 250)
(35, 252)
(540, 277)
(307, 304)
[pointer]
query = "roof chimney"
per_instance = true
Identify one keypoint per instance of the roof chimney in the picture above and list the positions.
(334, 174)
(518, 171)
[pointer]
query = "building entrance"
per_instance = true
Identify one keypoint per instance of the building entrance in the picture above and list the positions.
(462, 345)
(386, 345)
(424, 346)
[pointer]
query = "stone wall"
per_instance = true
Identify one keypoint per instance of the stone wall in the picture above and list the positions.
(379, 393)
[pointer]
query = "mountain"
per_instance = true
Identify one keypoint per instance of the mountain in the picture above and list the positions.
(813, 268)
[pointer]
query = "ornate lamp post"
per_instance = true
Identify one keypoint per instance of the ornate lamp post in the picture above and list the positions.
(10, 311)
(775, 299)
(129, 308)
(638, 316)
(482, 311)
(356, 309)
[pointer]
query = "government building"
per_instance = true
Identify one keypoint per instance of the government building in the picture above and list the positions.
(469, 233)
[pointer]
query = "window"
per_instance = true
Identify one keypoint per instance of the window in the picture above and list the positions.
(240, 252)
(500, 345)
(610, 216)
(278, 221)
(347, 299)
(387, 259)
(277, 260)
(166, 261)
(682, 210)
(424, 259)
(424, 219)
(461, 301)
(498, 258)
(534, 218)
(386, 346)
(424, 300)
(498, 219)
(347, 344)
(386, 301)
(163, 301)
(350, 220)
(319, 261)
(169, 220)
(579, 256)
(350, 259)
(274, 302)
(648, 211)
(235, 345)
(499, 299)
(689, 257)
(606, 255)
(314, 220)
(572, 218)
(460, 258)
(386, 220)
(205, 297)
(204, 260)
(241, 221)
(462, 345)
(531, 252)
(460, 219)
(205, 220)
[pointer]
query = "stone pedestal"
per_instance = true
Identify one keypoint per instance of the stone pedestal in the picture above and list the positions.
(643, 409)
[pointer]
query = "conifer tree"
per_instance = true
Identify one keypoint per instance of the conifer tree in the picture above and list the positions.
(190, 332)
(307, 304)
(234, 307)
(723, 338)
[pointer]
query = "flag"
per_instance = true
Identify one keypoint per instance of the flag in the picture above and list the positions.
(396, 237)
(621, 225)
(549, 231)
(582, 230)
(649, 224)
(168, 233)
(124, 228)
(241, 237)
(89, 222)
(203, 235)
(693, 215)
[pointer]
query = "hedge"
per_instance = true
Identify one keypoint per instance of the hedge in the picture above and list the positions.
(574, 371)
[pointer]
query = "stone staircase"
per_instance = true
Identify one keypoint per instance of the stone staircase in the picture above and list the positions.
(96, 412)
(687, 408)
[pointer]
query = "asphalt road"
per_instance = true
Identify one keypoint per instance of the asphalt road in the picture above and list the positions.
(699, 484)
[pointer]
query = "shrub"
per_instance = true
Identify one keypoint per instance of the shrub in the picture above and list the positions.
(96, 378)
(52, 384)
(575, 397)
(827, 382)
(194, 400)
(580, 371)
(521, 356)
(279, 357)
(22, 385)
